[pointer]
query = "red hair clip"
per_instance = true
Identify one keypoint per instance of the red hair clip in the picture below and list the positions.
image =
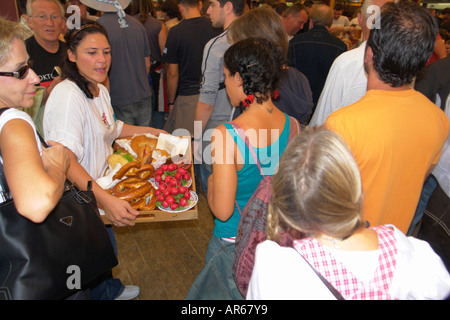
(248, 100)
(275, 94)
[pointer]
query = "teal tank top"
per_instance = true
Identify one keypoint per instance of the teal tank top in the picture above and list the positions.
(249, 176)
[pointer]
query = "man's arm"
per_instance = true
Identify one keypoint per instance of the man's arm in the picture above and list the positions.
(172, 82)
(147, 64)
(203, 113)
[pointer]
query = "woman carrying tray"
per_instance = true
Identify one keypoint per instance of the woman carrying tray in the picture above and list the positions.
(79, 115)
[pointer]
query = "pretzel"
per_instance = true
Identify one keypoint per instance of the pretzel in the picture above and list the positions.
(125, 168)
(131, 188)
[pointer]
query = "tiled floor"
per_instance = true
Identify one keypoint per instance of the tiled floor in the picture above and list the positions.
(164, 258)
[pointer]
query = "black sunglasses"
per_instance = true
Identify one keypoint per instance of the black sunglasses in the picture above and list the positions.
(21, 73)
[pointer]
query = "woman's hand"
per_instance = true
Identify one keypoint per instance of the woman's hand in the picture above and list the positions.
(55, 156)
(118, 212)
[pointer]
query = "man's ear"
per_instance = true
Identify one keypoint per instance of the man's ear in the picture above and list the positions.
(29, 20)
(228, 6)
(368, 56)
(361, 20)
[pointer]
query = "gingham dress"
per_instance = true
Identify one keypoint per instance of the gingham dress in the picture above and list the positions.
(342, 279)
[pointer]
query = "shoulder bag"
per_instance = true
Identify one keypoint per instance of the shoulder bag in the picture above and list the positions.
(58, 257)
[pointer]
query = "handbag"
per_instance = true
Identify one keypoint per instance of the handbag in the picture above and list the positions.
(58, 257)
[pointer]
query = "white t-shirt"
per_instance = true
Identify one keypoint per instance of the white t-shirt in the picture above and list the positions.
(280, 273)
(346, 83)
(13, 113)
(342, 21)
(87, 127)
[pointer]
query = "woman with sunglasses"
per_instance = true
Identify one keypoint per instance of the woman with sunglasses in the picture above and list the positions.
(23, 158)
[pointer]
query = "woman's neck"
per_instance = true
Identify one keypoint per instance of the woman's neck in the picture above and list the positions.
(93, 88)
(266, 106)
(363, 239)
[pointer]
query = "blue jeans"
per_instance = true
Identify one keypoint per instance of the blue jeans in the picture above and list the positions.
(158, 119)
(427, 189)
(204, 175)
(138, 113)
(216, 281)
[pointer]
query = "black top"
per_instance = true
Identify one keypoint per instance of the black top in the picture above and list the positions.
(44, 62)
(313, 53)
(184, 46)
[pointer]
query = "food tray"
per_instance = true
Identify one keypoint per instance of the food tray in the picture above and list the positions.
(158, 215)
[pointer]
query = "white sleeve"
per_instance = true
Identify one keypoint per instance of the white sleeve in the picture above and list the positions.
(420, 273)
(63, 117)
(331, 96)
(14, 113)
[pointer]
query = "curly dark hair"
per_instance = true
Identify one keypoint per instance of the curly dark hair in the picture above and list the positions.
(403, 43)
(73, 38)
(258, 65)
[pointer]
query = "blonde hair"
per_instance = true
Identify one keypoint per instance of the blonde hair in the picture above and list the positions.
(261, 23)
(9, 31)
(317, 189)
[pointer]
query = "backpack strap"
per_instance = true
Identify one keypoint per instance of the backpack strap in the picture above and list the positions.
(241, 133)
(293, 133)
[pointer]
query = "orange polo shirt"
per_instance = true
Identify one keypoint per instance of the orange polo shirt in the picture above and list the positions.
(395, 137)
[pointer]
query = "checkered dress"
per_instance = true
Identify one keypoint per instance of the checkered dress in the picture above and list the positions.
(342, 279)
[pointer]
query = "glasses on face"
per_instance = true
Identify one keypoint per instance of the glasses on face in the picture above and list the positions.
(44, 17)
(21, 73)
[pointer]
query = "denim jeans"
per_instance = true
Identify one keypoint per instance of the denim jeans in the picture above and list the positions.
(138, 113)
(215, 281)
(427, 189)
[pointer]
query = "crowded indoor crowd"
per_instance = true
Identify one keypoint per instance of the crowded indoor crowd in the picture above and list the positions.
(319, 133)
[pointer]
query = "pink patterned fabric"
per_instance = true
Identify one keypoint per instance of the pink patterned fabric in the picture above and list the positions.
(342, 279)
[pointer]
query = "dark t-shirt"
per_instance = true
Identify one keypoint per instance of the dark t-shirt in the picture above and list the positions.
(129, 47)
(44, 62)
(153, 28)
(184, 46)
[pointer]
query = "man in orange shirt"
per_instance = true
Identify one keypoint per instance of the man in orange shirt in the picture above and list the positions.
(395, 133)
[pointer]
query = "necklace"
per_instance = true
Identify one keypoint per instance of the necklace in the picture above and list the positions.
(335, 242)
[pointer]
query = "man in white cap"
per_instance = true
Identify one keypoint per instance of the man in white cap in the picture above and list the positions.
(131, 95)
